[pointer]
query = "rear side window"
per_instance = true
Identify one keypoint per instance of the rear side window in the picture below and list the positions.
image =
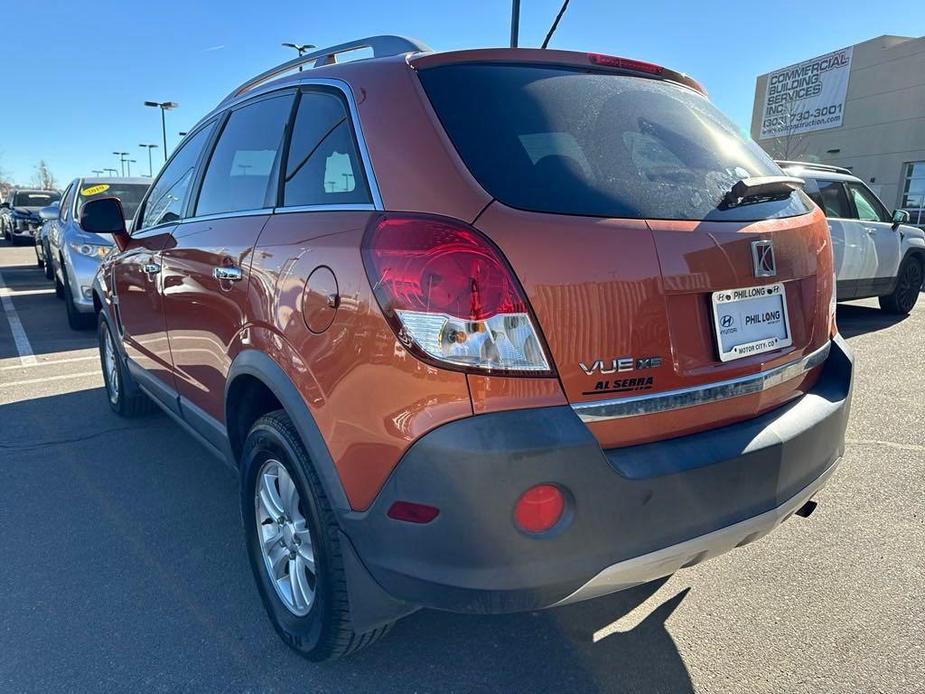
(572, 141)
(168, 197)
(323, 166)
(831, 197)
(241, 174)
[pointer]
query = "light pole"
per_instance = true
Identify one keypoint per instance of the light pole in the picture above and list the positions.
(98, 172)
(515, 22)
(122, 156)
(301, 48)
(150, 168)
(182, 134)
(112, 171)
(163, 106)
(129, 163)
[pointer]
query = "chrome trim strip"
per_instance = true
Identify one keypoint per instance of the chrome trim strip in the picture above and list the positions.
(358, 207)
(665, 561)
(227, 215)
(617, 408)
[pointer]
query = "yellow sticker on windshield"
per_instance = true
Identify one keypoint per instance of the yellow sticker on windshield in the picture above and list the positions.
(95, 190)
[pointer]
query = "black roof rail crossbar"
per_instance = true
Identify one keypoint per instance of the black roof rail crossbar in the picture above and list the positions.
(810, 165)
(381, 46)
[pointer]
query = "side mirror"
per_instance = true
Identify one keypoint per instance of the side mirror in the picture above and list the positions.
(899, 217)
(105, 216)
(50, 212)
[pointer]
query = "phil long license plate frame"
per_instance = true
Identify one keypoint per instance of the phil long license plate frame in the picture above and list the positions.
(751, 321)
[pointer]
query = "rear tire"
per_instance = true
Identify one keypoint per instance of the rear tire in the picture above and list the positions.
(273, 463)
(908, 287)
(125, 399)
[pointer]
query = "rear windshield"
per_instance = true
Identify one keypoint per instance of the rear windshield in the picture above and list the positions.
(129, 194)
(35, 198)
(573, 141)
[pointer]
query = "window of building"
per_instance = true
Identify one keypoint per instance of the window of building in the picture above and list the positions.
(913, 192)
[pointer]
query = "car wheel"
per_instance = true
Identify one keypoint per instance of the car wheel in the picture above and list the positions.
(125, 399)
(39, 263)
(49, 268)
(294, 546)
(906, 292)
(75, 319)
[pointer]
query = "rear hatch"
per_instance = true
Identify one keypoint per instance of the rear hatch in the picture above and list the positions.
(609, 190)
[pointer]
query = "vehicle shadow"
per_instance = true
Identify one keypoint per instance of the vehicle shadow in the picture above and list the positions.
(856, 319)
(150, 583)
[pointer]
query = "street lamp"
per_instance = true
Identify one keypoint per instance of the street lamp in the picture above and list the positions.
(150, 168)
(163, 106)
(182, 134)
(129, 163)
(112, 171)
(301, 48)
(98, 172)
(122, 156)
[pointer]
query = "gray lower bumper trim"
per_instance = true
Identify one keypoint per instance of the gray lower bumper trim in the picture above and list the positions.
(602, 410)
(664, 562)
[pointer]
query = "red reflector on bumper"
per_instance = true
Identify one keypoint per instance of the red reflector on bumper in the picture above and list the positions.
(412, 513)
(539, 508)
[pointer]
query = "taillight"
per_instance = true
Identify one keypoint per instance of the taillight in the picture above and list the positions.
(450, 296)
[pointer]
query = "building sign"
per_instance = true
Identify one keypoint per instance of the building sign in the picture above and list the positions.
(807, 96)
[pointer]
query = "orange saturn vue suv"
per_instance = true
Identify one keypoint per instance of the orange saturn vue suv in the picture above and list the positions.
(484, 331)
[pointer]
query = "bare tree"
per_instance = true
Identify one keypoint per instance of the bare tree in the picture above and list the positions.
(43, 177)
(5, 185)
(788, 144)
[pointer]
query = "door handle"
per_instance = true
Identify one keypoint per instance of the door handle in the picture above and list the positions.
(151, 268)
(870, 230)
(230, 273)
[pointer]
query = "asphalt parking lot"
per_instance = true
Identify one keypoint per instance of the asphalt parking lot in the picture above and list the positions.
(122, 563)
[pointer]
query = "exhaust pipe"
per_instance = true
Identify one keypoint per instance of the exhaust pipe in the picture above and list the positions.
(806, 510)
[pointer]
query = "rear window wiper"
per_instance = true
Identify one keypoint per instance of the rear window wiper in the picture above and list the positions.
(760, 189)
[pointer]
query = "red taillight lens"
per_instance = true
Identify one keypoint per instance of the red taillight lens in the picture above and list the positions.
(539, 508)
(450, 295)
(412, 513)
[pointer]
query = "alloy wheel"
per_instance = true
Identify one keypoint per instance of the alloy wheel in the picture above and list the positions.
(112, 368)
(284, 538)
(909, 285)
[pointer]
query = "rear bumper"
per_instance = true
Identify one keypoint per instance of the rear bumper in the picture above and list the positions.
(635, 514)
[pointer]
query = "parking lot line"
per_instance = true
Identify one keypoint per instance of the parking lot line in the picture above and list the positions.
(49, 362)
(30, 381)
(26, 356)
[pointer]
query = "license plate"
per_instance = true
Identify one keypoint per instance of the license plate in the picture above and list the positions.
(751, 321)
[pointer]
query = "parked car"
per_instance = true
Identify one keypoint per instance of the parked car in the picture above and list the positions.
(47, 215)
(484, 331)
(876, 252)
(19, 214)
(75, 254)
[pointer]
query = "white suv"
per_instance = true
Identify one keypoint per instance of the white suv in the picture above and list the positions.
(876, 253)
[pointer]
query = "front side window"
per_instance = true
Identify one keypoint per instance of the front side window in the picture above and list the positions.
(584, 142)
(168, 197)
(241, 173)
(913, 197)
(323, 166)
(869, 208)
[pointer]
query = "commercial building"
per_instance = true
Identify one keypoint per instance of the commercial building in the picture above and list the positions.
(861, 107)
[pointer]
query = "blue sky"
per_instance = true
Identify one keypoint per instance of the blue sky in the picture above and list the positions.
(77, 72)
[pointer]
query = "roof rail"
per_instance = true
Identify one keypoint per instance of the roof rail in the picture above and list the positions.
(381, 46)
(810, 165)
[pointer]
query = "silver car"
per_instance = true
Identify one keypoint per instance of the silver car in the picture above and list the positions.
(74, 254)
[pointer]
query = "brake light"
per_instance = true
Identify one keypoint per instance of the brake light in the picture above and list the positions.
(450, 296)
(625, 63)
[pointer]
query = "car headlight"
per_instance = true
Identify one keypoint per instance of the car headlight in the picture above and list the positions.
(91, 250)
